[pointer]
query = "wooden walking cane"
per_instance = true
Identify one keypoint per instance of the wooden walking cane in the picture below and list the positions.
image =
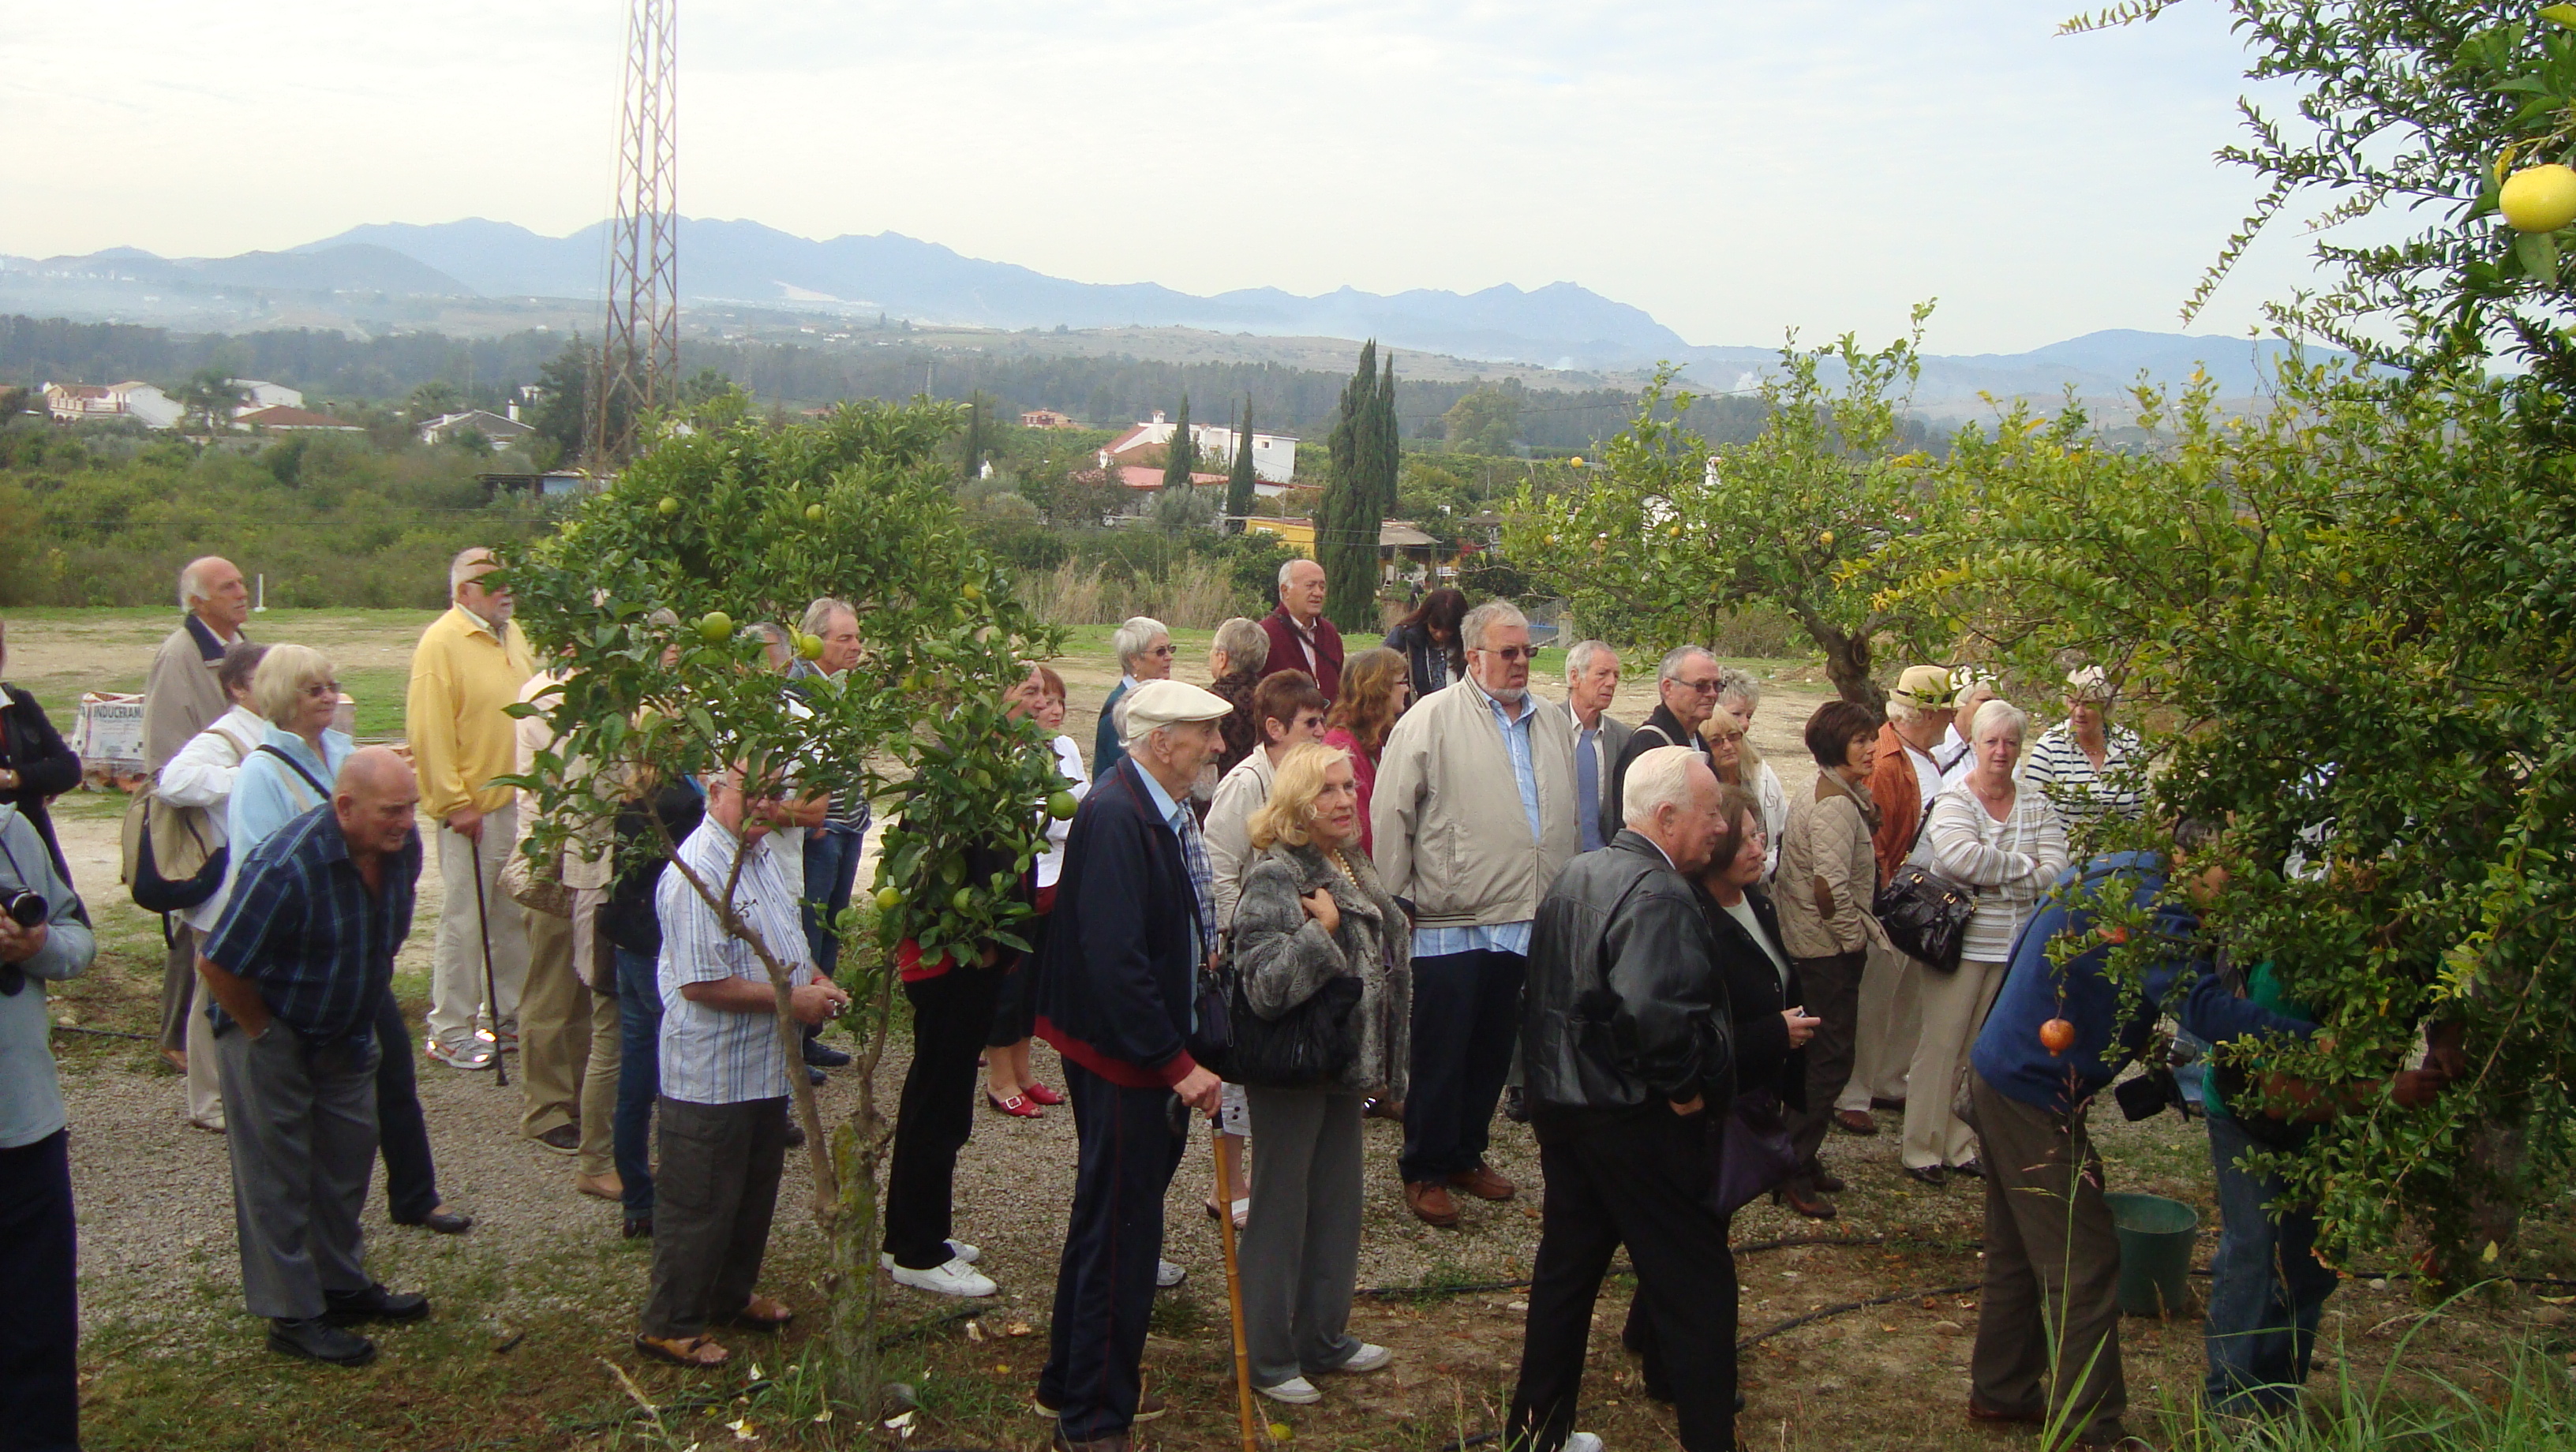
(483, 925)
(1234, 1295)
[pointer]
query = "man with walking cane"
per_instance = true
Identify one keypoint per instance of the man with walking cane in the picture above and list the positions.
(1134, 920)
(465, 675)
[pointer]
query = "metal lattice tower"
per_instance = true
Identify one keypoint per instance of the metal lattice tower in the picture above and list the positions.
(639, 347)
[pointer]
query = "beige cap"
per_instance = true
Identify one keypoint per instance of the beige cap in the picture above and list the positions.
(1924, 687)
(2091, 683)
(1162, 703)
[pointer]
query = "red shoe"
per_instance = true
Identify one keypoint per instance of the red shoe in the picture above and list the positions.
(1041, 1094)
(1017, 1106)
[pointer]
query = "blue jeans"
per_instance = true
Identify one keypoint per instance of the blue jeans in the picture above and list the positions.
(2267, 1287)
(639, 1077)
(831, 866)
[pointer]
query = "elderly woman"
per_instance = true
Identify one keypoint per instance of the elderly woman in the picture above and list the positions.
(1739, 695)
(2085, 767)
(1144, 649)
(1235, 659)
(1428, 639)
(2008, 843)
(1763, 995)
(1377, 685)
(1010, 1085)
(1828, 877)
(1313, 911)
(287, 775)
(202, 776)
(1731, 753)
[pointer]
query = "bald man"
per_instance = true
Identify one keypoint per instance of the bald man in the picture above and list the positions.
(297, 965)
(181, 698)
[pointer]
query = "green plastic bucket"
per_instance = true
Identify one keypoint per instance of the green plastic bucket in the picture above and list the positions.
(2156, 1236)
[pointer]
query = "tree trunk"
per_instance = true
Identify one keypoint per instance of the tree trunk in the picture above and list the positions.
(1847, 659)
(857, 1146)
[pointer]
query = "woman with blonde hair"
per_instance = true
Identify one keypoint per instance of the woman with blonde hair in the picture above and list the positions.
(1313, 911)
(1738, 696)
(1377, 685)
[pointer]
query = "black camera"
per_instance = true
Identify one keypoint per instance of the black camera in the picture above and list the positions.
(27, 909)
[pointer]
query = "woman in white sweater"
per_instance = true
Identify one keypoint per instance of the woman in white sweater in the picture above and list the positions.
(2008, 843)
(201, 775)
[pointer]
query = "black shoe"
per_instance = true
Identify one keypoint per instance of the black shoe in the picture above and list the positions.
(317, 1340)
(814, 1076)
(638, 1227)
(795, 1135)
(1739, 1404)
(1931, 1175)
(1515, 1108)
(563, 1139)
(821, 1055)
(444, 1222)
(375, 1303)
(1972, 1168)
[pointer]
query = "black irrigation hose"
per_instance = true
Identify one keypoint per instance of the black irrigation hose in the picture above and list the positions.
(73, 1028)
(1827, 1312)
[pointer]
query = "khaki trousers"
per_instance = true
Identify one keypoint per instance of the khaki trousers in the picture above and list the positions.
(2052, 1266)
(456, 1006)
(607, 1038)
(554, 1029)
(1954, 1006)
(1891, 1020)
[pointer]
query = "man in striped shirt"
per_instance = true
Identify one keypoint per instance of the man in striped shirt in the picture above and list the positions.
(724, 1079)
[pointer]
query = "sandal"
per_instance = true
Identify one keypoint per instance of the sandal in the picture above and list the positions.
(700, 1351)
(1017, 1106)
(761, 1313)
(1242, 1211)
(1041, 1094)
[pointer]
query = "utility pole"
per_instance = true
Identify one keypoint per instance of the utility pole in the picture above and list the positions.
(639, 346)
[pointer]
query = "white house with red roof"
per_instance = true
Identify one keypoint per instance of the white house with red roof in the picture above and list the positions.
(132, 399)
(1274, 456)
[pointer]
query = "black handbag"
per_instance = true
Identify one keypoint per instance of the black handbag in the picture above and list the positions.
(1925, 917)
(1310, 1044)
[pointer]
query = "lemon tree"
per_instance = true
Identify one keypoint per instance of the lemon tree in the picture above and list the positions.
(644, 596)
(1668, 532)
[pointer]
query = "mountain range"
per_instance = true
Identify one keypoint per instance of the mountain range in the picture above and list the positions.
(1561, 325)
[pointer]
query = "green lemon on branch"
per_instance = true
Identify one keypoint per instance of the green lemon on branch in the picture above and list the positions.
(716, 628)
(668, 507)
(889, 898)
(1061, 805)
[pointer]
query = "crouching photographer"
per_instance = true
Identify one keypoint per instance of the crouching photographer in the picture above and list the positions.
(44, 937)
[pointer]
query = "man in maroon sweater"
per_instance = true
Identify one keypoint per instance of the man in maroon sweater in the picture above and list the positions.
(1301, 639)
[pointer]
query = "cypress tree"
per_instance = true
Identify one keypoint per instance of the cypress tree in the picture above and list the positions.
(1182, 457)
(1239, 491)
(1346, 527)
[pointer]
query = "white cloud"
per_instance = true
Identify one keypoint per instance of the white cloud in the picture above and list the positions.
(1733, 168)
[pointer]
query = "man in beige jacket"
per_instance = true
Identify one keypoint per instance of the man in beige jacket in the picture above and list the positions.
(465, 675)
(1471, 862)
(180, 699)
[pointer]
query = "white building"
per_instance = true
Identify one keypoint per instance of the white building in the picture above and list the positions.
(259, 393)
(501, 432)
(1274, 456)
(145, 404)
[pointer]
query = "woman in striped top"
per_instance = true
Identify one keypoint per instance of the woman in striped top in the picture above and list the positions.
(2007, 842)
(2082, 765)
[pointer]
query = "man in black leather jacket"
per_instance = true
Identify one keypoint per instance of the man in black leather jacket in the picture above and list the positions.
(1628, 1068)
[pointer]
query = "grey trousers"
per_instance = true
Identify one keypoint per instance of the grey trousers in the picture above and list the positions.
(178, 984)
(1301, 1248)
(713, 1195)
(2052, 1266)
(300, 1125)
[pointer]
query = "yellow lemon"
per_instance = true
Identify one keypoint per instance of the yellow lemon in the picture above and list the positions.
(813, 514)
(2540, 198)
(889, 898)
(1826, 539)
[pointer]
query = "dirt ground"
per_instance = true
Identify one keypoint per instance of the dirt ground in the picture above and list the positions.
(543, 1291)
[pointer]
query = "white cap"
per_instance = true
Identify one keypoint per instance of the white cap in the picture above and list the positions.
(1162, 703)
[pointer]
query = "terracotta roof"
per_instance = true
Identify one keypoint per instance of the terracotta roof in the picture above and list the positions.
(81, 390)
(282, 417)
(1150, 476)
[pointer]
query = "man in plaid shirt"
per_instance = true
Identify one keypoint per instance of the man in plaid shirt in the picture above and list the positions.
(296, 965)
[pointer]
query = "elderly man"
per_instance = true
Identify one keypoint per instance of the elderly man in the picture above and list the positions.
(180, 699)
(465, 675)
(1134, 918)
(302, 957)
(1903, 783)
(39, 1365)
(1301, 639)
(832, 847)
(723, 1105)
(1686, 680)
(1471, 861)
(1591, 679)
(1630, 1066)
(1144, 647)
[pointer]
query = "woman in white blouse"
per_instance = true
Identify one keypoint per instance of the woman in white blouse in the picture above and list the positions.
(2007, 842)
(2083, 764)
(1009, 1084)
(201, 775)
(1738, 694)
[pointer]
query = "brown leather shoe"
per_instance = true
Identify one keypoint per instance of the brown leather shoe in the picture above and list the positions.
(1484, 1184)
(1429, 1201)
(1799, 1200)
(1979, 1412)
(1855, 1121)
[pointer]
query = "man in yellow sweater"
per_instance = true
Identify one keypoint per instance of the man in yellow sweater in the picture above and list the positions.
(467, 670)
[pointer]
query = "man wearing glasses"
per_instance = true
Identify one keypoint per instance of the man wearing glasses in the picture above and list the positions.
(1301, 639)
(1686, 679)
(1144, 649)
(1470, 861)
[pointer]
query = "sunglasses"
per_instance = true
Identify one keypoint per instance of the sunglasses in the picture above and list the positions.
(1162, 650)
(318, 689)
(1512, 652)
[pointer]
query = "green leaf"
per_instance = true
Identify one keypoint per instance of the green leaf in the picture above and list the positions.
(2538, 253)
(2564, 15)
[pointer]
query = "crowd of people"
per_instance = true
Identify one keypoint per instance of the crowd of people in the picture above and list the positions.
(1437, 882)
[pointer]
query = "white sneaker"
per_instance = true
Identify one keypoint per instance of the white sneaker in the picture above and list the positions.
(958, 1251)
(475, 1056)
(954, 1278)
(1370, 1358)
(1296, 1391)
(1168, 1275)
(1582, 1442)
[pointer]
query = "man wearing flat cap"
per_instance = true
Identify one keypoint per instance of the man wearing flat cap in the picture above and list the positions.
(1135, 916)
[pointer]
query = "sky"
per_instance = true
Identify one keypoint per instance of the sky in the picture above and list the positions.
(1736, 169)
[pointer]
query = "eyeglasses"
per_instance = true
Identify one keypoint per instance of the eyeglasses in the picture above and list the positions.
(318, 689)
(1512, 652)
(1705, 688)
(1162, 650)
